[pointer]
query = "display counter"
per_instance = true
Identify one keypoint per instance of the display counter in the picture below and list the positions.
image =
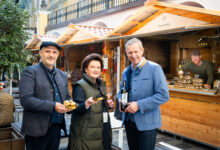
(193, 114)
(193, 91)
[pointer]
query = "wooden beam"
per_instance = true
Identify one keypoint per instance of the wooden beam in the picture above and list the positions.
(195, 15)
(211, 16)
(118, 28)
(67, 36)
(149, 19)
(33, 42)
(117, 34)
(82, 41)
(135, 22)
(150, 2)
(123, 56)
(189, 8)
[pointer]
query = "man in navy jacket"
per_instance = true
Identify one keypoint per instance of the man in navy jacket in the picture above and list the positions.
(43, 88)
(147, 90)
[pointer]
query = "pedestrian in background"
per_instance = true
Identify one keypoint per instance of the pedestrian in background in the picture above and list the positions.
(90, 123)
(43, 88)
(76, 74)
(147, 90)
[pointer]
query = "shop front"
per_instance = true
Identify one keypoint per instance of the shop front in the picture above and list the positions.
(169, 34)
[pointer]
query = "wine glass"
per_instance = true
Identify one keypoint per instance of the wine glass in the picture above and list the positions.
(109, 92)
(109, 97)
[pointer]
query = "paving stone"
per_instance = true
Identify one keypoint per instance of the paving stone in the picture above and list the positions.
(161, 137)
(183, 145)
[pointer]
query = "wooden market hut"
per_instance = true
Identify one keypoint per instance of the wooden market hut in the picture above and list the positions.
(169, 33)
(80, 40)
(35, 42)
(34, 45)
(77, 42)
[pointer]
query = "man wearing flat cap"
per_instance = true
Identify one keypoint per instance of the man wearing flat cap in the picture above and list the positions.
(43, 88)
(201, 67)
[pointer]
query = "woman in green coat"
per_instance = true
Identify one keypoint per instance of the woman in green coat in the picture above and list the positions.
(90, 127)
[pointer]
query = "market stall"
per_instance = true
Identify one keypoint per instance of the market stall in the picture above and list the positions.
(81, 40)
(169, 33)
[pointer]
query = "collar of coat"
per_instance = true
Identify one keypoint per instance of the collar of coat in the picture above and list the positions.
(99, 83)
(140, 66)
(53, 71)
(129, 71)
(90, 81)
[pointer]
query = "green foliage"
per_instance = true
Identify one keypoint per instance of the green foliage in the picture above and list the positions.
(14, 23)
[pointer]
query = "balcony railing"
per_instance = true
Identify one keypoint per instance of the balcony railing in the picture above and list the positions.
(83, 8)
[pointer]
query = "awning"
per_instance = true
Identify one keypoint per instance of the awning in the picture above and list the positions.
(154, 33)
(36, 41)
(159, 16)
(82, 34)
(164, 32)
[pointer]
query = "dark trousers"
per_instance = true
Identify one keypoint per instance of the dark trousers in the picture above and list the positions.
(140, 140)
(50, 141)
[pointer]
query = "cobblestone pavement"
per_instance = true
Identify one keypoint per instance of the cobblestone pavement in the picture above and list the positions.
(165, 141)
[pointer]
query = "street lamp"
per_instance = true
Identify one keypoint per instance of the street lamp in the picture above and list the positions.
(43, 4)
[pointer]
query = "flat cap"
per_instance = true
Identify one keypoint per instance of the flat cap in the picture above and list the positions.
(195, 53)
(49, 43)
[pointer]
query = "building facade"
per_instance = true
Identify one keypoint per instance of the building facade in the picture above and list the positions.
(105, 13)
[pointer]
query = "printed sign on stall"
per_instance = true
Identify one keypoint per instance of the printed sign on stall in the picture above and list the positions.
(105, 62)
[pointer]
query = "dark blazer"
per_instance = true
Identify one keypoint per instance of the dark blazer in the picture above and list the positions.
(36, 97)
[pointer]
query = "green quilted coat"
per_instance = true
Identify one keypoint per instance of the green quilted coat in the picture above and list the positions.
(86, 130)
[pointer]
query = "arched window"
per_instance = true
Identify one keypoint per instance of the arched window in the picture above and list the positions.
(191, 3)
(100, 24)
(56, 33)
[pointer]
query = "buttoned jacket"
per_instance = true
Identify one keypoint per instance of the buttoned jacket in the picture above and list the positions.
(149, 89)
(36, 97)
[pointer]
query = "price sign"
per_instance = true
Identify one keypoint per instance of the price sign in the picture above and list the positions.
(105, 62)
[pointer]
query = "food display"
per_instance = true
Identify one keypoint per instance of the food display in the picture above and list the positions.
(69, 104)
(189, 82)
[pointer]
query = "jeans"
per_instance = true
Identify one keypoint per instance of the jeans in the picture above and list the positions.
(139, 140)
(50, 141)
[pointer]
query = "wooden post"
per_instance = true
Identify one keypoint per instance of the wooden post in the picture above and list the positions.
(118, 68)
(66, 58)
(214, 44)
(123, 56)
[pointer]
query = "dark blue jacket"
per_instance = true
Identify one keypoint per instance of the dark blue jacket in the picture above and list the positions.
(36, 97)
